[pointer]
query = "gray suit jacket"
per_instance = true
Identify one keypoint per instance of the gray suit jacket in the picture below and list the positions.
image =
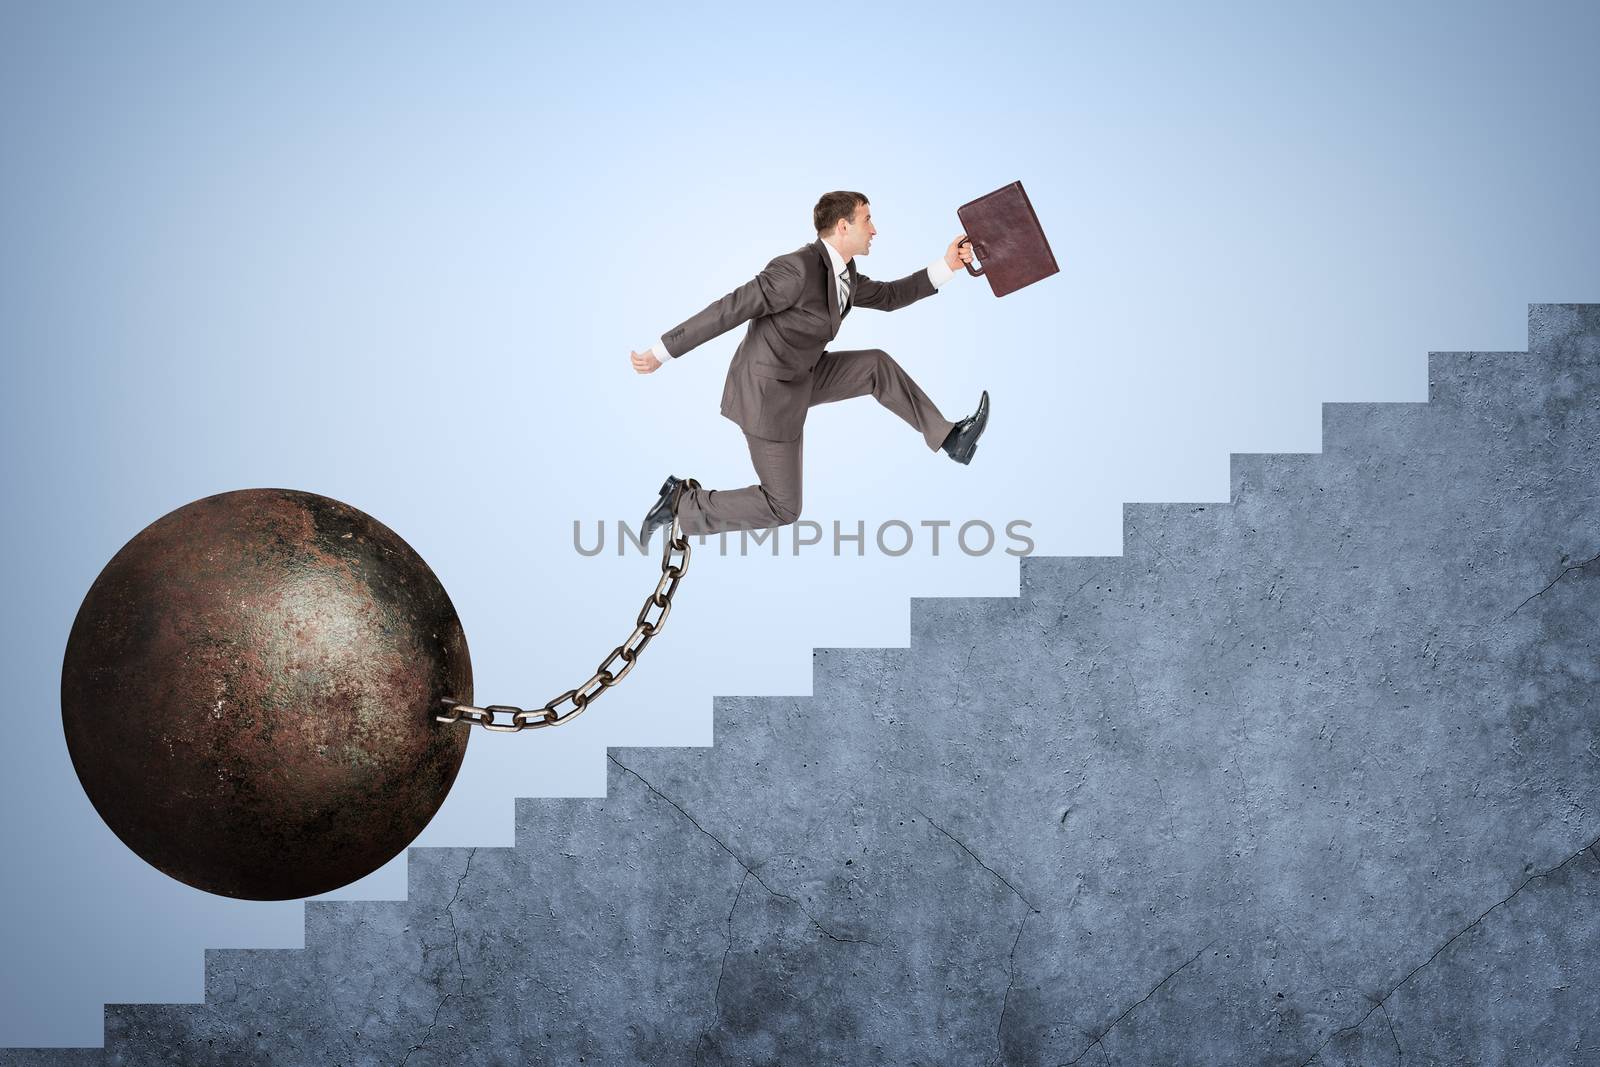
(793, 310)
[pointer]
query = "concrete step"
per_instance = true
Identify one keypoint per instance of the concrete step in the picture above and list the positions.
(1568, 334)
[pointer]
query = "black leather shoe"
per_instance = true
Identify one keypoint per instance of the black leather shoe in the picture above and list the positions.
(661, 512)
(962, 441)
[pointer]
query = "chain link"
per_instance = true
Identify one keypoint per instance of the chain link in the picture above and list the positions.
(603, 677)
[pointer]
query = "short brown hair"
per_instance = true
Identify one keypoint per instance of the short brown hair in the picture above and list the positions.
(835, 206)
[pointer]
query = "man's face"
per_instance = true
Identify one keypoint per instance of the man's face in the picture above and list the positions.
(858, 232)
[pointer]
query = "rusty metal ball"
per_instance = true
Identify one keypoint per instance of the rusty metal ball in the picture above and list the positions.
(249, 689)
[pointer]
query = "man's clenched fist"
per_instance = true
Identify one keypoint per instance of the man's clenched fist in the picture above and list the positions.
(959, 252)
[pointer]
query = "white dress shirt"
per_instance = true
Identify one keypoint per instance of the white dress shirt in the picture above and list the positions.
(939, 272)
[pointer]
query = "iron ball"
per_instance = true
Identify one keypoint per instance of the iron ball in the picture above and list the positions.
(248, 694)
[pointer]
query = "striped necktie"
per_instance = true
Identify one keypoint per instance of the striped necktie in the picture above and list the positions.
(844, 289)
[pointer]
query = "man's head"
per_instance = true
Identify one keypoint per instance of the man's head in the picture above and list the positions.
(845, 219)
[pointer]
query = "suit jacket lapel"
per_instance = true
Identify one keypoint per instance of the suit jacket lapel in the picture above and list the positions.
(831, 283)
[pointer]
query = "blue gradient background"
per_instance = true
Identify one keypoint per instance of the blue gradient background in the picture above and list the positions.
(398, 256)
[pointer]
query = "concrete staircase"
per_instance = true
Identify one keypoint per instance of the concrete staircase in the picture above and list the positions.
(1311, 776)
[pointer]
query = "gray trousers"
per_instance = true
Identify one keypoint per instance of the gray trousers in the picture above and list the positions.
(775, 501)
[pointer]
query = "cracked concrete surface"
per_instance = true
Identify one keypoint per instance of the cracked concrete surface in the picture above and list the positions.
(1098, 1039)
(1310, 777)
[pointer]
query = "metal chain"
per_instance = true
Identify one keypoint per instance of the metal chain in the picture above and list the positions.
(603, 679)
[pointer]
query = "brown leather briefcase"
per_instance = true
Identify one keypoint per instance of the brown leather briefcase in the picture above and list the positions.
(1007, 240)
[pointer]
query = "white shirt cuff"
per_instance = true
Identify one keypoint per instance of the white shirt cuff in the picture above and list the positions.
(939, 272)
(659, 350)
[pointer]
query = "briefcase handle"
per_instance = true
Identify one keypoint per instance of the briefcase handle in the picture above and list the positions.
(975, 273)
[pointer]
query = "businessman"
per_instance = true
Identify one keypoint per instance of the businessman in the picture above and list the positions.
(781, 368)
